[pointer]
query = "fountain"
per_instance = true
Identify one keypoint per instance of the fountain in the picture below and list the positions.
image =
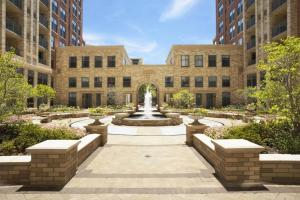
(148, 104)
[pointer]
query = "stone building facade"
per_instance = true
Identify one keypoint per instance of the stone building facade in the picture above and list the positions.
(100, 75)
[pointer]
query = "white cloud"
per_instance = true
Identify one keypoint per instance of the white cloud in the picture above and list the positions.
(177, 9)
(134, 46)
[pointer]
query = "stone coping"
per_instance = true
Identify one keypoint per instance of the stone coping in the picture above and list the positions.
(15, 160)
(279, 158)
(87, 140)
(53, 146)
(206, 140)
(237, 145)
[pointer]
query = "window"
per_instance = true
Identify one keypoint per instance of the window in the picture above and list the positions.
(98, 99)
(185, 81)
(212, 61)
(232, 32)
(97, 82)
(42, 79)
(54, 24)
(185, 61)
(221, 27)
(240, 25)
(98, 61)
(240, 7)
(169, 81)
(198, 61)
(111, 98)
(231, 16)
(52, 41)
(111, 82)
(168, 97)
(62, 31)
(74, 26)
(54, 6)
(72, 62)
(225, 61)
(226, 81)
(85, 82)
(198, 100)
(240, 41)
(226, 99)
(85, 62)
(111, 61)
(126, 81)
(72, 82)
(212, 81)
(222, 41)
(30, 77)
(63, 14)
(73, 40)
(220, 10)
(251, 80)
(72, 99)
(199, 81)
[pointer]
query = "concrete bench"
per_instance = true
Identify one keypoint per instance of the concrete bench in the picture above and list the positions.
(280, 168)
(14, 170)
(203, 144)
(87, 146)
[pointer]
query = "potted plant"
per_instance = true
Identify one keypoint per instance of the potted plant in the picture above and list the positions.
(97, 114)
(197, 114)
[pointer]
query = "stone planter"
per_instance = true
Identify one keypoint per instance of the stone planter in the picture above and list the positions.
(196, 119)
(97, 120)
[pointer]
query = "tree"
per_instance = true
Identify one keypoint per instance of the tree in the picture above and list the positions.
(14, 89)
(280, 92)
(183, 99)
(43, 91)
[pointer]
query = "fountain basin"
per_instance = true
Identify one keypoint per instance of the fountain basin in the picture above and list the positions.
(139, 119)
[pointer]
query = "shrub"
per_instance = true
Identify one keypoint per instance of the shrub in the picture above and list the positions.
(183, 99)
(62, 108)
(15, 138)
(276, 134)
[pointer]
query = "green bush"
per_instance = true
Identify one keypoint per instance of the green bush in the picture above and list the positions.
(15, 138)
(62, 108)
(183, 99)
(277, 135)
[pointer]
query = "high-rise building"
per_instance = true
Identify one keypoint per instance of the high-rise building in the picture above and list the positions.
(266, 21)
(254, 23)
(25, 28)
(229, 22)
(66, 24)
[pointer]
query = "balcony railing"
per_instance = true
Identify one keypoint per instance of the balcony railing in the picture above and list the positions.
(45, 2)
(279, 28)
(17, 3)
(43, 43)
(15, 50)
(13, 26)
(249, 3)
(277, 3)
(251, 44)
(250, 22)
(251, 62)
(42, 61)
(44, 21)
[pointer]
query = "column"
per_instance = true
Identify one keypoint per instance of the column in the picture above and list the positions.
(53, 163)
(35, 83)
(193, 129)
(239, 165)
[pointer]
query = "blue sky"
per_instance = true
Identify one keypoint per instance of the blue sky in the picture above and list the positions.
(148, 28)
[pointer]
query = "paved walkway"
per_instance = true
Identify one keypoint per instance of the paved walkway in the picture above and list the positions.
(147, 167)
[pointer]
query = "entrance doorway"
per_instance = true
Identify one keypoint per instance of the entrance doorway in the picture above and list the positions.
(87, 100)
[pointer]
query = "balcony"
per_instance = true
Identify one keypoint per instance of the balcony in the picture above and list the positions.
(44, 21)
(249, 3)
(279, 28)
(277, 3)
(250, 22)
(43, 43)
(251, 62)
(251, 44)
(15, 50)
(13, 26)
(17, 3)
(45, 2)
(42, 61)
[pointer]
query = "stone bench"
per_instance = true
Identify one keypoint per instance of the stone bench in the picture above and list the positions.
(87, 146)
(14, 170)
(280, 168)
(203, 144)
